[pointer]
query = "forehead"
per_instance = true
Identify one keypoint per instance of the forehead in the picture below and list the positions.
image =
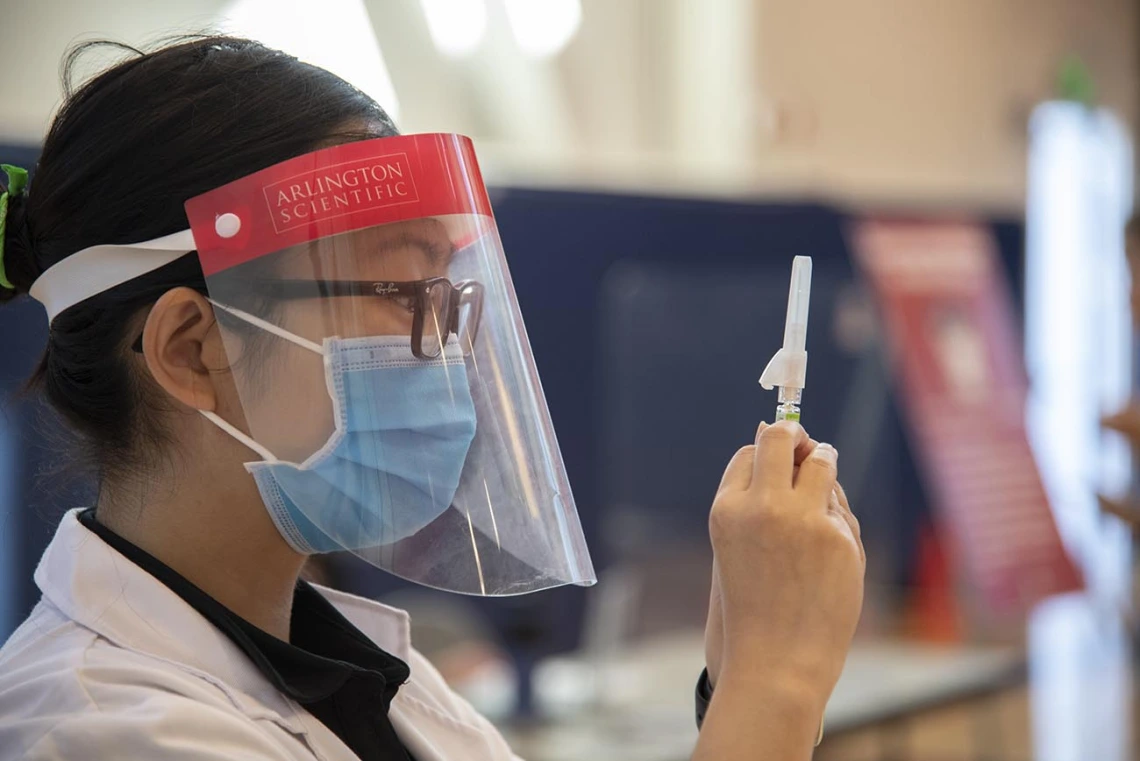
(416, 248)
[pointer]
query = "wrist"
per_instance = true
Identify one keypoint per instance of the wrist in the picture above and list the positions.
(798, 690)
(783, 701)
(807, 669)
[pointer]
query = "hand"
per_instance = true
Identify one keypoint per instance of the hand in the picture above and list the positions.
(1126, 421)
(788, 573)
(714, 627)
(1129, 513)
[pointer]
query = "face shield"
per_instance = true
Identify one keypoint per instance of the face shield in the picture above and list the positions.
(383, 371)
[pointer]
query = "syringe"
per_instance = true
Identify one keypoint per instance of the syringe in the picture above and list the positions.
(788, 369)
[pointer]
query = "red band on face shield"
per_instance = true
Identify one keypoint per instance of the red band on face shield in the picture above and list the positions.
(336, 190)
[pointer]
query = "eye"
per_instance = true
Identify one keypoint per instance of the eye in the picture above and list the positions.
(406, 303)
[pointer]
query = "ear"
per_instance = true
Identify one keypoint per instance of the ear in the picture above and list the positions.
(183, 347)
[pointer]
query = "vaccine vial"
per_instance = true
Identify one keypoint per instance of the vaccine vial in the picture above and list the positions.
(789, 406)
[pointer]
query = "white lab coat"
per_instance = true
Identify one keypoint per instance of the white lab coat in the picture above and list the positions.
(113, 665)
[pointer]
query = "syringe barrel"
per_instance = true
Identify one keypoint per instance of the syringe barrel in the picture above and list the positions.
(799, 298)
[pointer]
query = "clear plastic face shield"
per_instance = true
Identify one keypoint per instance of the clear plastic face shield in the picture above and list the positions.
(384, 375)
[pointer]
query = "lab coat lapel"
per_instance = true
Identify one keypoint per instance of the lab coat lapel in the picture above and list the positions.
(95, 586)
(427, 727)
(91, 583)
(431, 735)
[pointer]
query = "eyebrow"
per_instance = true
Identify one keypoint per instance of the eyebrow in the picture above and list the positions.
(436, 252)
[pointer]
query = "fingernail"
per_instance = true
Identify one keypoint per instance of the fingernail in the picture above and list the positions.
(828, 451)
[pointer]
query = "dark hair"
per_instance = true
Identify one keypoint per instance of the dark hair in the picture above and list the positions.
(123, 154)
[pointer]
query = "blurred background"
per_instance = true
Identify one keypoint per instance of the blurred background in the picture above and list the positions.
(961, 173)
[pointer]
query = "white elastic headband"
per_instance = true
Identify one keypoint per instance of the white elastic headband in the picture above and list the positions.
(96, 269)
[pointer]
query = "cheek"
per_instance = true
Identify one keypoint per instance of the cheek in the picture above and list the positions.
(292, 414)
(305, 411)
(347, 317)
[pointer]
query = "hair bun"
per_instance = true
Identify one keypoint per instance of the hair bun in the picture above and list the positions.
(19, 261)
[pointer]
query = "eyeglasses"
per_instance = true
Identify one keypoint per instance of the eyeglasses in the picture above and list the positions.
(438, 307)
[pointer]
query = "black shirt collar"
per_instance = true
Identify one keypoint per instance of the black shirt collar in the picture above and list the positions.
(325, 650)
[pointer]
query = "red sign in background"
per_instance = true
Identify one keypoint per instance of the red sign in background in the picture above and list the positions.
(957, 360)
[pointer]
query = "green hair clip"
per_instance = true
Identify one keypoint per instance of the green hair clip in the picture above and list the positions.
(17, 181)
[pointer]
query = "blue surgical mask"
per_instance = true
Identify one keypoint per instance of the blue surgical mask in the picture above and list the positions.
(404, 426)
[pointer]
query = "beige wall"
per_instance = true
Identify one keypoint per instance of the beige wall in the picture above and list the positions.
(928, 99)
(37, 32)
(899, 101)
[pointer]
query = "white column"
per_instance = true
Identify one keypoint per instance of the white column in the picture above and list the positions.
(1078, 354)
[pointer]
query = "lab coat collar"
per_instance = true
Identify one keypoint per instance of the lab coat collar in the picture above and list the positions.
(98, 588)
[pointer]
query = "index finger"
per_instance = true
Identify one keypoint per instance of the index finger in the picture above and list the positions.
(804, 446)
(775, 458)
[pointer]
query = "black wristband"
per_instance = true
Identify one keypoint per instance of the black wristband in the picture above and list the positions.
(703, 697)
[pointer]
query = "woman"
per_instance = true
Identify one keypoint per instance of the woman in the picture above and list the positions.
(280, 329)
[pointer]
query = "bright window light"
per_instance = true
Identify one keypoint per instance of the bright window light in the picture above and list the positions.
(456, 26)
(542, 28)
(1077, 334)
(334, 34)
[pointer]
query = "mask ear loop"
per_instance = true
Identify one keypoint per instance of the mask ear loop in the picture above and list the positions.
(276, 330)
(214, 418)
(280, 332)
